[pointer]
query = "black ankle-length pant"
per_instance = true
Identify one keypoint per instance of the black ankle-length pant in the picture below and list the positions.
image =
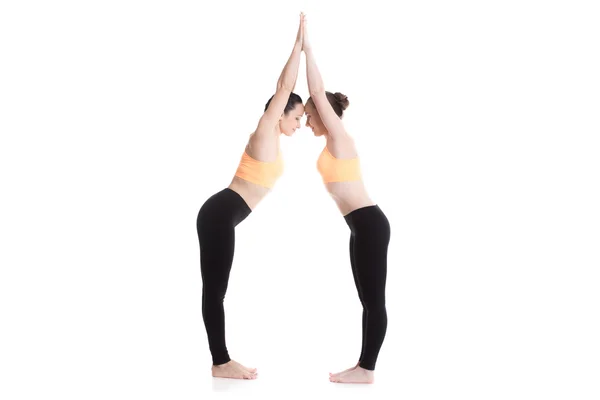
(216, 223)
(369, 240)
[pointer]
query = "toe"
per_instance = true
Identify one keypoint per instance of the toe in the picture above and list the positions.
(249, 375)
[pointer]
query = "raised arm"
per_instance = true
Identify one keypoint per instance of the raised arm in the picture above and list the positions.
(285, 85)
(316, 88)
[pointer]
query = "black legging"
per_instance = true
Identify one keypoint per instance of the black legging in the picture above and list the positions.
(216, 223)
(369, 240)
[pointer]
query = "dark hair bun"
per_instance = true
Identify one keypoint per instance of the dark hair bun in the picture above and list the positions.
(342, 100)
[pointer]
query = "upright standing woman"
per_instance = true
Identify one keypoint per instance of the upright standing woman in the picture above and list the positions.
(339, 167)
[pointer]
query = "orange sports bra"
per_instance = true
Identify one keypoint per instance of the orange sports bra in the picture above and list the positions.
(338, 169)
(259, 172)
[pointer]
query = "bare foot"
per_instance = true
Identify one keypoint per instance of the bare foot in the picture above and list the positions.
(253, 370)
(233, 370)
(356, 375)
(346, 370)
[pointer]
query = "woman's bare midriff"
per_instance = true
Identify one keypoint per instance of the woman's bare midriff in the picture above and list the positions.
(349, 196)
(250, 192)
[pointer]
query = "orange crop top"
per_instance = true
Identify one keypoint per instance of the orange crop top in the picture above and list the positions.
(338, 169)
(259, 172)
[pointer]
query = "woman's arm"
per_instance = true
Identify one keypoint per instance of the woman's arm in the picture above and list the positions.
(285, 85)
(316, 88)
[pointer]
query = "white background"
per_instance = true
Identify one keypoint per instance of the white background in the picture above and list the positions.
(478, 128)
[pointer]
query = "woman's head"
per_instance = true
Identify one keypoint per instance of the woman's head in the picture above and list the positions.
(292, 113)
(339, 102)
